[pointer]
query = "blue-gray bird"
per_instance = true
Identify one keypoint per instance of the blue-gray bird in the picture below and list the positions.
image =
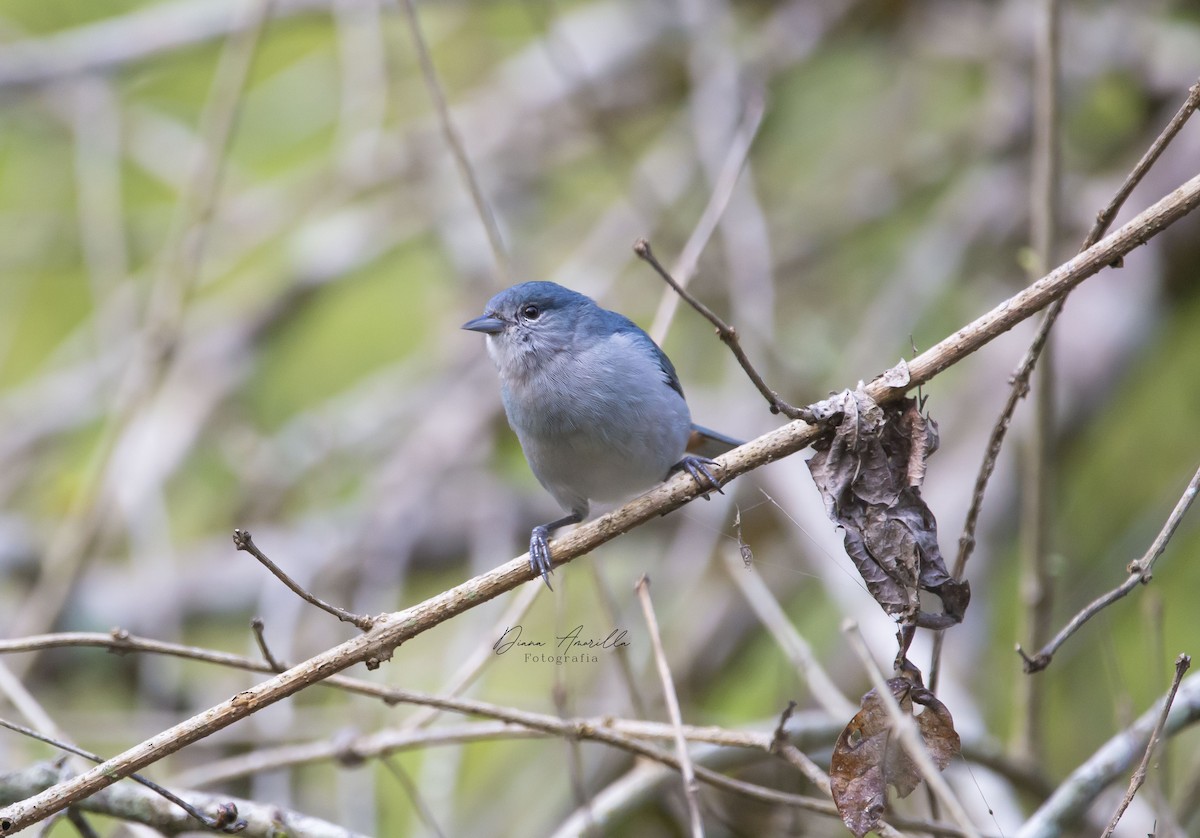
(596, 404)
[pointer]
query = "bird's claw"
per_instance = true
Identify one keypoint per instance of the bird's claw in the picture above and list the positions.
(539, 555)
(698, 468)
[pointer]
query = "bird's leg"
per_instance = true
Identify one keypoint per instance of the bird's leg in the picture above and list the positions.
(539, 548)
(698, 468)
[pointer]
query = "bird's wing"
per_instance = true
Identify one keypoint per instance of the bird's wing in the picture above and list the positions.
(623, 325)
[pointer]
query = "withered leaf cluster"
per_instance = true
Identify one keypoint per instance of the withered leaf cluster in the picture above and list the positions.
(868, 756)
(869, 472)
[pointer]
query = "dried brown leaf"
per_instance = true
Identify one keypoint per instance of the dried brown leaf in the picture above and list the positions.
(869, 473)
(868, 757)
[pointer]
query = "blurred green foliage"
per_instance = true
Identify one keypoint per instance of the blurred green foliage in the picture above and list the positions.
(886, 194)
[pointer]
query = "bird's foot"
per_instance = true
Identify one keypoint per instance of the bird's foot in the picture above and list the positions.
(539, 554)
(698, 468)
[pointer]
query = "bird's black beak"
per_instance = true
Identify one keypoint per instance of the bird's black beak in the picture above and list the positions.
(487, 324)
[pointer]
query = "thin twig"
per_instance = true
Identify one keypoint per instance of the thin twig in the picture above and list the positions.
(454, 140)
(121, 642)
(799, 653)
(187, 238)
(256, 625)
(905, 730)
(718, 201)
(793, 755)
(690, 789)
(390, 630)
(1140, 573)
(1182, 664)
(608, 606)
(1075, 795)
(725, 332)
(1105, 217)
(473, 664)
(243, 541)
(414, 796)
(1036, 581)
(1020, 377)
(779, 737)
(225, 821)
(561, 693)
(81, 824)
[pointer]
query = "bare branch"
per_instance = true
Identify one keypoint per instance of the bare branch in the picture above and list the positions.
(390, 630)
(722, 192)
(1020, 377)
(1140, 572)
(725, 332)
(257, 626)
(226, 819)
(135, 804)
(414, 795)
(454, 140)
(690, 790)
(799, 653)
(1076, 794)
(243, 541)
(125, 39)
(796, 757)
(1038, 455)
(1182, 664)
(160, 334)
(77, 820)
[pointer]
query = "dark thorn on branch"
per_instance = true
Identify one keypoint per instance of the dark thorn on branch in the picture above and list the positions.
(779, 738)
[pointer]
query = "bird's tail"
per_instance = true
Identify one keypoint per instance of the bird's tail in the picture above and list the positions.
(709, 443)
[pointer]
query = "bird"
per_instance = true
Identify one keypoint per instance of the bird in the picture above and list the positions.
(595, 403)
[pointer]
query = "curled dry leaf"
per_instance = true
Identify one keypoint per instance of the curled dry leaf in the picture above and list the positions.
(868, 757)
(869, 472)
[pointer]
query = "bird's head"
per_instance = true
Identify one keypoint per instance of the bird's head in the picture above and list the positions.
(528, 323)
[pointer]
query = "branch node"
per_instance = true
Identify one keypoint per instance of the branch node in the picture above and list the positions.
(120, 638)
(1033, 664)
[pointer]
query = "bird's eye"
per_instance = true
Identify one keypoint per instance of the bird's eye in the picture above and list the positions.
(531, 312)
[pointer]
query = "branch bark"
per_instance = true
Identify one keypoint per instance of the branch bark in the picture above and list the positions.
(137, 804)
(391, 630)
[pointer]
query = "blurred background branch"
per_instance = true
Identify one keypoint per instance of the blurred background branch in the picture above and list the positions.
(318, 392)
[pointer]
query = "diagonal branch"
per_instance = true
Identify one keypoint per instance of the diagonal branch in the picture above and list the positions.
(1140, 572)
(1073, 797)
(390, 630)
(1182, 664)
(245, 543)
(1020, 377)
(691, 792)
(454, 139)
(226, 819)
